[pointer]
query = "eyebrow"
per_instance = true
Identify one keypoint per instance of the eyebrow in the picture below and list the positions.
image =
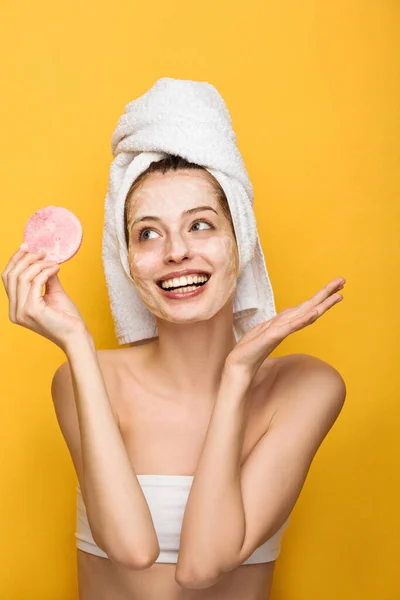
(185, 212)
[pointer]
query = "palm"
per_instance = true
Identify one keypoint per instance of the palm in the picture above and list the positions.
(254, 347)
(56, 303)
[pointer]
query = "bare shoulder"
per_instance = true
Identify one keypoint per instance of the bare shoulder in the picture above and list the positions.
(62, 389)
(111, 363)
(107, 360)
(118, 358)
(284, 380)
(303, 378)
(111, 359)
(292, 366)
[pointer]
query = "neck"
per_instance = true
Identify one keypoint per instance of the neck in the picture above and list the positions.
(189, 358)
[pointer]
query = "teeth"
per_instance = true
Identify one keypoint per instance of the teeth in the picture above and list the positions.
(182, 290)
(178, 282)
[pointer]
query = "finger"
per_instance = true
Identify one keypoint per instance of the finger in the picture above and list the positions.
(254, 332)
(12, 278)
(21, 262)
(310, 316)
(41, 279)
(329, 289)
(281, 329)
(53, 284)
(24, 282)
(327, 304)
(22, 250)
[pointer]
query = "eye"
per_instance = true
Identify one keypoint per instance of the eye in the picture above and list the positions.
(203, 222)
(144, 231)
(142, 237)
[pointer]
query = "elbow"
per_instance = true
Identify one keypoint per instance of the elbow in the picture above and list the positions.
(131, 560)
(124, 556)
(195, 582)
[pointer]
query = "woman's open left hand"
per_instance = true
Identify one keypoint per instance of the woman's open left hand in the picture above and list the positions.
(254, 347)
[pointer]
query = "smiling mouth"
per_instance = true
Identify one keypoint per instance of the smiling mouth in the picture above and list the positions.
(188, 286)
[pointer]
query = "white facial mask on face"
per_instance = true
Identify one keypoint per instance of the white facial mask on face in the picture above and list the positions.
(174, 245)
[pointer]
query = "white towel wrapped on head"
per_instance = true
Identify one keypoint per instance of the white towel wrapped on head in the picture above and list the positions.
(188, 119)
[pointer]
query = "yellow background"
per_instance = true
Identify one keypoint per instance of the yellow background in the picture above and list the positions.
(313, 89)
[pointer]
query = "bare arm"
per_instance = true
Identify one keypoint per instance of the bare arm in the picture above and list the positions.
(118, 513)
(214, 524)
(232, 510)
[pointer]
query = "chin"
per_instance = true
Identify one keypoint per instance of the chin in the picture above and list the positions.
(189, 318)
(191, 314)
(193, 310)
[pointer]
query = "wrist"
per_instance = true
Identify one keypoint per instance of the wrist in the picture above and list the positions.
(237, 376)
(77, 341)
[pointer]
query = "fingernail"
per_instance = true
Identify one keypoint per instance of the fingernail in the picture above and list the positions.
(24, 246)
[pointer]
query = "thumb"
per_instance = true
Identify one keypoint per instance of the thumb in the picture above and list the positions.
(53, 284)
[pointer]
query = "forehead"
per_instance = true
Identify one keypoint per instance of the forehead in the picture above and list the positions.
(173, 192)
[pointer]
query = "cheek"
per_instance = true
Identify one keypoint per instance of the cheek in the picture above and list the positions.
(221, 251)
(232, 256)
(143, 265)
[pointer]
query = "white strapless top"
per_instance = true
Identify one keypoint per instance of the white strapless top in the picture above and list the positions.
(166, 496)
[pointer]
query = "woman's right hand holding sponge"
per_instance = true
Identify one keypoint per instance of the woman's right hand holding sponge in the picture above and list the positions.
(52, 315)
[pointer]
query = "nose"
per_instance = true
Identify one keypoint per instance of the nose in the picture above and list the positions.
(177, 249)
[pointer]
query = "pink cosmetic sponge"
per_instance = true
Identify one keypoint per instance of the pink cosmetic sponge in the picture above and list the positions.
(56, 230)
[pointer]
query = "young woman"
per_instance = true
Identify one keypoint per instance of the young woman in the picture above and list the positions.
(190, 449)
